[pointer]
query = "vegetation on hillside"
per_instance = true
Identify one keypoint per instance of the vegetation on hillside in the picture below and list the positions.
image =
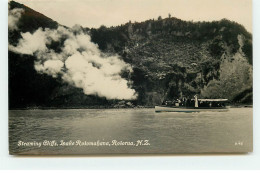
(170, 58)
(174, 58)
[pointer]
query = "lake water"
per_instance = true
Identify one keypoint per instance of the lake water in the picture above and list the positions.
(103, 131)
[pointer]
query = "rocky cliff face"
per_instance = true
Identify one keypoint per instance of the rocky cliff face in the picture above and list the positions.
(170, 58)
(235, 77)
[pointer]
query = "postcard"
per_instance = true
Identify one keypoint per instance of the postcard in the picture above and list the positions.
(107, 77)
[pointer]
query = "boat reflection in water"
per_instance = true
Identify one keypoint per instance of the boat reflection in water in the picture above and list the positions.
(193, 105)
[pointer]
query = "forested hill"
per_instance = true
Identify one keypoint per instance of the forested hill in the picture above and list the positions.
(170, 58)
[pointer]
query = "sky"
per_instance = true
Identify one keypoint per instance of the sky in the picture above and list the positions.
(94, 13)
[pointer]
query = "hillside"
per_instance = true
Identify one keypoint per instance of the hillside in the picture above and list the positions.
(173, 58)
(170, 58)
(29, 22)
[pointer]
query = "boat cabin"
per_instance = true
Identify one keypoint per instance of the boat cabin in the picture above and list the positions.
(197, 103)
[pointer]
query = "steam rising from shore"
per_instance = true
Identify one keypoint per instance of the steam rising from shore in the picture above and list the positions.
(13, 17)
(78, 61)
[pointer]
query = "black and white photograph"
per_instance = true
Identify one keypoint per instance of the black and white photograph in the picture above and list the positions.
(130, 77)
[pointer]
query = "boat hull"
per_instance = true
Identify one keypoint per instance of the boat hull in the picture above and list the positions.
(187, 109)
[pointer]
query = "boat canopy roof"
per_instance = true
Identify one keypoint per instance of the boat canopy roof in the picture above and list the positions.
(213, 100)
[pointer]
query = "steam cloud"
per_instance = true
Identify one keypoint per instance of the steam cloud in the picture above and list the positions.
(78, 61)
(13, 17)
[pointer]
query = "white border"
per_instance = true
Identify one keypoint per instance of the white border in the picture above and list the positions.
(250, 161)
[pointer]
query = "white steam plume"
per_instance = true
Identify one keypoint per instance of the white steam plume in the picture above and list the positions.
(13, 17)
(79, 61)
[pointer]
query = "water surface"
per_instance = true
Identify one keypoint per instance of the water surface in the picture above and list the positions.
(166, 132)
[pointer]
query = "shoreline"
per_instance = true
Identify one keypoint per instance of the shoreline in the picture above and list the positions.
(52, 108)
(107, 107)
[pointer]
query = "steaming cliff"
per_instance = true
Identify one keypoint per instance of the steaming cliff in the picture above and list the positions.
(155, 60)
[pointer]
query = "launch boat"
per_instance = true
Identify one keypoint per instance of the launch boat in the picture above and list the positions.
(195, 105)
